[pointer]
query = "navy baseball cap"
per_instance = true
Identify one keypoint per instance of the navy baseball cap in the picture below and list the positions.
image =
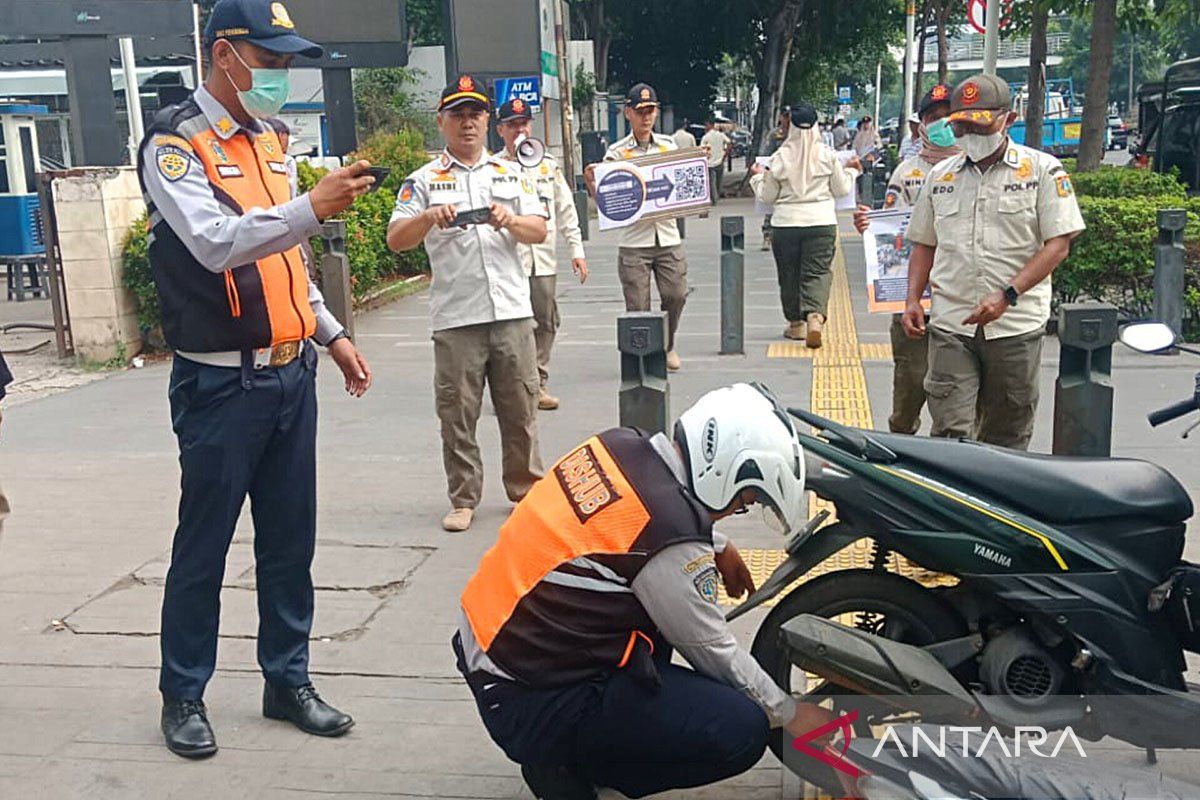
(514, 109)
(641, 95)
(464, 90)
(803, 115)
(261, 23)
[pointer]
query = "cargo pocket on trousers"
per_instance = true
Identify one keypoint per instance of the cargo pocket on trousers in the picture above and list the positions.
(939, 388)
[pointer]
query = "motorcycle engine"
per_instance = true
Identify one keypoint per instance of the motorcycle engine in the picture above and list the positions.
(1016, 665)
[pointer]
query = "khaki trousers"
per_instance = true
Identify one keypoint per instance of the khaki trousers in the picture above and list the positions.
(545, 315)
(669, 266)
(910, 361)
(502, 354)
(984, 389)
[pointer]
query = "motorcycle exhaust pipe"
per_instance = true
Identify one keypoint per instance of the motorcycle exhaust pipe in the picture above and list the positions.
(891, 672)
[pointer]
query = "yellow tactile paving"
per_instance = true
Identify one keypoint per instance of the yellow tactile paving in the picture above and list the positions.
(839, 392)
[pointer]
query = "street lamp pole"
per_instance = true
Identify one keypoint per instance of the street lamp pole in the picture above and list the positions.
(878, 82)
(910, 31)
(991, 36)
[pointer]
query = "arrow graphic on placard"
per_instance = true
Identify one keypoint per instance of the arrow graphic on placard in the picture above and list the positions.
(659, 189)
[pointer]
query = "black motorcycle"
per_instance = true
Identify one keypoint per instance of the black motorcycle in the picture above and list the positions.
(1063, 600)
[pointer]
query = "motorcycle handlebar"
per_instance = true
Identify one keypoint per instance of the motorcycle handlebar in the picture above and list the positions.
(1173, 411)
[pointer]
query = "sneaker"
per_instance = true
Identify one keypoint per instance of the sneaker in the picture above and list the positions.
(673, 362)
(794, 330)
(458, 519)
(547, 402)
(815, 322)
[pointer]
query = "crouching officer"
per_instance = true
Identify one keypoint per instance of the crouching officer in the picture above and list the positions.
(567, 627)
(514, 121)
(242, 315)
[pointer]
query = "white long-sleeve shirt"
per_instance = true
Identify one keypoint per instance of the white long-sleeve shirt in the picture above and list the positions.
(805, 206)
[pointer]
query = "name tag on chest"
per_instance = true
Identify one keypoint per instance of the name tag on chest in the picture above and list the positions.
(229, 170)
(278, 167)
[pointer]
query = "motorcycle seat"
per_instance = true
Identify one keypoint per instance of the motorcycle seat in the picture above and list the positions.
(1058, 489)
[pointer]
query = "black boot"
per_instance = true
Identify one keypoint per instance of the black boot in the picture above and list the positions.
(304, 708)
(556, 783)
(186, 730)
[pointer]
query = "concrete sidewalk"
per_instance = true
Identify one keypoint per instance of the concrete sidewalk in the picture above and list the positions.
(93, 479)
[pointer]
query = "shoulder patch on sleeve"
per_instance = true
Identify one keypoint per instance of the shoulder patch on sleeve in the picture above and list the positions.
(173, 161)
(1063, 184)
(406, 191)
(178, 141)
(706, 582)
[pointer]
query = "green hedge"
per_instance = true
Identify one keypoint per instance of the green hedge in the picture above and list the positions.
(1113, 260)
(371, 263)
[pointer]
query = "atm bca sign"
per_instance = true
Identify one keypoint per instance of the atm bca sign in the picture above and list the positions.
(528, 89)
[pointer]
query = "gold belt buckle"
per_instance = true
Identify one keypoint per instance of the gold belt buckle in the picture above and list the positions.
(284, 353)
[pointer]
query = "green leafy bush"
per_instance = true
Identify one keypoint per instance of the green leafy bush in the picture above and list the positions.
(1113, 260)
(135, 259)
(1111, 181)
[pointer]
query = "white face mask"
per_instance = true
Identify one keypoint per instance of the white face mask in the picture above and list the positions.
(979, 146)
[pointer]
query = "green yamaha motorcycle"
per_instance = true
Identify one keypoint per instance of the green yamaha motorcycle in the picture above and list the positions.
(1070, 605)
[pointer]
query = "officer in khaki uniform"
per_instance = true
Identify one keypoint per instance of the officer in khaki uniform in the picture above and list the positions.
(989, 228)
(651, 247)
(910, 357)
(479, 305)
(514, 121)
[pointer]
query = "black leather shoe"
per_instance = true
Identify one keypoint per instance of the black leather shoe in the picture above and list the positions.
(304, 708)
(186, 729)
(556, 783)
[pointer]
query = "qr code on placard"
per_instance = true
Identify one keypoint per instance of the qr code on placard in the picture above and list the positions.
(689, 180)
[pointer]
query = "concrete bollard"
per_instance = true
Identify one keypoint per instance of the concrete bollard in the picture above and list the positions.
(1083, 392)
(1169, 268)
(335, 273)
(581, 210)
(733, 292)
(681, 224)
(644, 397)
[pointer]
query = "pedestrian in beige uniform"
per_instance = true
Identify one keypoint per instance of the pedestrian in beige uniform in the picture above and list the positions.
(910, 357)
(514, 121)
(653, 247)
(479, 298)
(989, 228)
(801, 181)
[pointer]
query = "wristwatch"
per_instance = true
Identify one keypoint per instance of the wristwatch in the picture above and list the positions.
(339, 335)
(1011, 295)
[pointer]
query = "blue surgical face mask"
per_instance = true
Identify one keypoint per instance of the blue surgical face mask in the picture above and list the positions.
(268, 90)
(940, 133)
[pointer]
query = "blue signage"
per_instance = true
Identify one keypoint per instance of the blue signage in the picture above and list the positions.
(528, 89)
(844, 94)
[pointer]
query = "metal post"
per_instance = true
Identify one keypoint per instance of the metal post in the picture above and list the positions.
(878, 90)
(733, 292)
(339, 110)
(581, 211)
(991, 36)
(133, 97)
(1083, 392)
(335, 273)
(1168, 268)
(196, 37)
(645, 395)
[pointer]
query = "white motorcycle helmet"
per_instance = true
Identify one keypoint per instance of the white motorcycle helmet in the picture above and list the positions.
(737, 438)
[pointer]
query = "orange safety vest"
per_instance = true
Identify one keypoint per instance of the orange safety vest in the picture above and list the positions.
(537, 604)
(253, 305)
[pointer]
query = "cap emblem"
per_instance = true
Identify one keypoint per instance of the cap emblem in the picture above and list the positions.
(938, 93)
(465, 84)
(280, 17)
(645, 94)
(518, 106)
(970, 94)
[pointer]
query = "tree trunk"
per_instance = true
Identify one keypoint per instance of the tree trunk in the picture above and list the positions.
(943, 19)
(1036, 110)
(602, 38)
(780, 31)
(1095, 105)
(919, 75)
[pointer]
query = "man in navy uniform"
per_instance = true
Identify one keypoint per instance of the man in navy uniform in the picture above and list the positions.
(242, 316)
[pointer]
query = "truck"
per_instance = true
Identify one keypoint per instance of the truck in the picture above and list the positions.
(1062, 120)
(1169, 124)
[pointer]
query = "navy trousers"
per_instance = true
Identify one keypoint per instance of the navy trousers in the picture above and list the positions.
(618, 732)
(240, 433)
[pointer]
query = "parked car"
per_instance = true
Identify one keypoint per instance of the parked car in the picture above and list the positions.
(1118, 133)
(741, 142)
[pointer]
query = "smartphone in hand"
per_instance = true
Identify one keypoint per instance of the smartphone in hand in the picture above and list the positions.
(380, 175)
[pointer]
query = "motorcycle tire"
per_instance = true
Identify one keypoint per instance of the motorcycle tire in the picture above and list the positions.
(930, 619)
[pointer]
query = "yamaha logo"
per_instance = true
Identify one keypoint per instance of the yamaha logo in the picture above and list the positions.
(709, 443)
